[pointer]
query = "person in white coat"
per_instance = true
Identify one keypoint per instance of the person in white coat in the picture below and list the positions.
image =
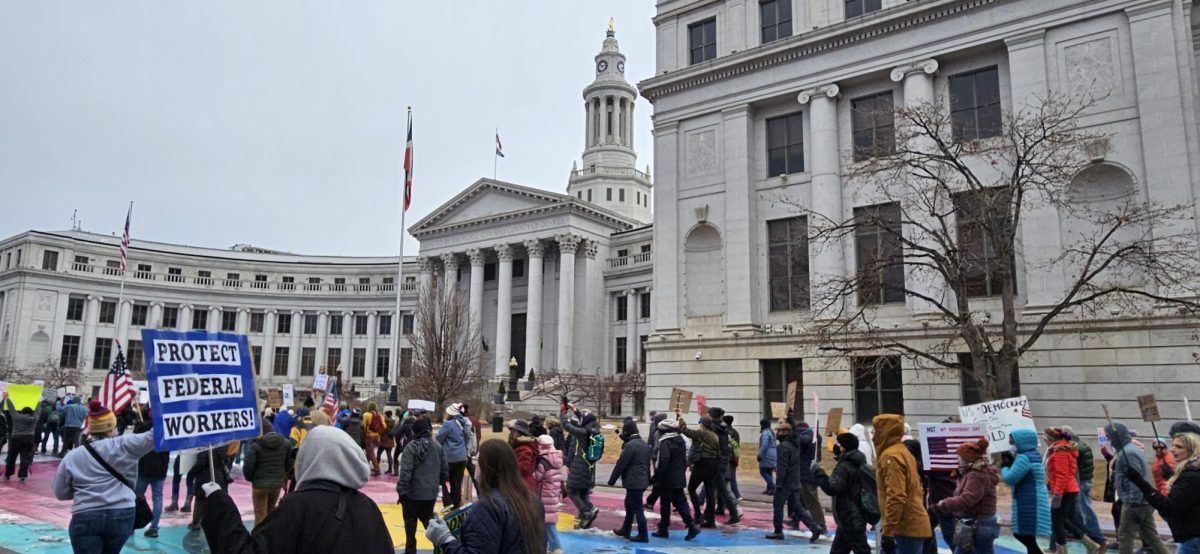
(865, 444)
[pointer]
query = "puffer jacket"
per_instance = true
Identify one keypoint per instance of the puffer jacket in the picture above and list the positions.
(266, 463)
(583, 472)
(633, 467)
(1062, 468)
(423, 469)
(787, 466)
(975, 495)
(898, 482)
(21, 424)
(548, 475)
(1128, 456)
(671, 469)
(768, 449)
(453, 436)
(352, 424)
(1087, 465)
(845, 488)
(1027, 477)
(526, 449)
(1181, 508)
(1161, 463)
(491, 526)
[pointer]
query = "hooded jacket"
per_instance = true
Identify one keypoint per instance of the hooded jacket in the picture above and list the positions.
(787, 467)
(1128, 456)
(283, 422)
(898, 482)
(330, 469)
(266, 462)
(864, 442)
(453, 436)
(526, 449)
(423, 467)
(1181, 508)
(73, 414)
(1062, 467)
(633, 467)
(583, 473)
(671, 469)
(654, 432)
(975, 495)
(1164, 462)
(845, 488)
(81, 479)
(547, 473)
(491, 526)
(768, 449)
(1027, 477)
(808, 452)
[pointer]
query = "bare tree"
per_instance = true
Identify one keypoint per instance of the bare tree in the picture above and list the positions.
(58, 376)
(590, 389)
(447, 352)
(946, 230)
(10, 372)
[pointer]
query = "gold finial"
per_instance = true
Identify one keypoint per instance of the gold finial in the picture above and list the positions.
(610, 24)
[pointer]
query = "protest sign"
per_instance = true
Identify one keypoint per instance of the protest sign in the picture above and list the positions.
(3, 387)
(201, 388)
(1101, 436)
(289, 395)
(321, 382)
(274, 398)
(39, 382)
(425, 405)
(71, 389)
(454, 522)
(1149, 408)
(779, 410)
(999, 417)
(833, 422)
(143, 388)
(23, 396)
(49, 395)
(791, 395)
(701, 404)
(940, 442)
(681, 400)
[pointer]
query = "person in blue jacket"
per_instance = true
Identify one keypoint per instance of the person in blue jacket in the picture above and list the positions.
(768, 453)
(455, 436)
(1024, 472)
(71, 418)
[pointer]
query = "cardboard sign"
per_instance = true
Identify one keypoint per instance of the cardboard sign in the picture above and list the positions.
(779, 410)
(791, 395)
(49, 395)
(999, 418)
(201, 388)
(425, 405)
(1149, 408)
(833, 422)
(274, 398)
(681, 400)
(701, 404)
(289, 394)
(454, 521)
(24, 396)
(940, 442)
(321, 382)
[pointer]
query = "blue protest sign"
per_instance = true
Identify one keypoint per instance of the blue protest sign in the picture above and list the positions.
(201, 388)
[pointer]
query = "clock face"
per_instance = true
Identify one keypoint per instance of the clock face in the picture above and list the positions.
(620, 67)
(601, 66)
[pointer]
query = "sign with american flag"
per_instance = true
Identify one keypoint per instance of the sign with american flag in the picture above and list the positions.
(999, 417)
(940, 442)
(118, 390)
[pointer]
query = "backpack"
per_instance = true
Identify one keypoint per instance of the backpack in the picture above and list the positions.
(595, 448)
(734, 451)
(870, 496)
(376, 425)
(54, 418)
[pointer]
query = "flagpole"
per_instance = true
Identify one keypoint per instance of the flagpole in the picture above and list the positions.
(397, 318)
(121, 293)
(495, 156)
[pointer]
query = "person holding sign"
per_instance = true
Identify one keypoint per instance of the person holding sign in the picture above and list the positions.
(974, 498)
(24, 430)
(1181, 506)
(1137, 516)
(905, 523)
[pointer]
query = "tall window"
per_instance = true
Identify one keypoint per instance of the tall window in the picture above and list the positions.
(139, 314)
(970, 389)
(785, 145)
(976, 214)
(776, 374)
(358, 363)
(702, 40)
(283, 324)
(622, 344)
(407, 322)
(333, 359)
(170, 318)
(608, 194)
(787, 263)
(879, 253)
(75, 309)
(135, 356)
(383, 357)
(310, 324)
(335, 325)
(281, 361)
(70, 351)
(257, 322)
(975, 104)
(878, 387)
(873, 125)
(199, 319)
(645, 299)
(228, 321)
(622, 307)
(102, 355)
(50, 260)
(385, 324)
(855, 8)
(406, 361)
(308, 361)
(518, 268)
(775, 19)
(360, 325)
(256, 354)
(108, 312)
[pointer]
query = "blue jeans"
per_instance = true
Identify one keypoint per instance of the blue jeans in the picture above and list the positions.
(1190, 546)
(909, 545)
(101, 531)
(156, 495)
(552, 538)
(768, 475)
(1087, 515)
(986, 531)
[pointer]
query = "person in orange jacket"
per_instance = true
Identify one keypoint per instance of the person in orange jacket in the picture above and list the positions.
(1062, 467)
(1163, 467)
(905, 523)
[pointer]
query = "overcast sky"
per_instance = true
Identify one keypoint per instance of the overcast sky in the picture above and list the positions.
(280, 123)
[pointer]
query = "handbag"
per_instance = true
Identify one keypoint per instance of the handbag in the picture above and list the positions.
(141, 510)
(964, 535)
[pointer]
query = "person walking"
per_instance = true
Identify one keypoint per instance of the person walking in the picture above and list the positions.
(652, 440)
(809, 446)
(704, 467)
(102, 502)
(1085, 515)
(48, 418)
(1137, 516)
(507, 518)
(725, 497)
(1062, 468)
(548, 476)
(526, 449)
(768, 448)
(1163, 467)
(373, 426)
(787, 487)
(327, 513)
(974, 499)
(3, 428)
(73, 414)
(583, 472)
(1023, 471)
(24, 429)
(385, 449)
(554, 428)
(905, 522)
(633, 468)
(1181, 505)
(423, 468)
(845, 488)
(265, 468)
(456, 436)
(670, 480)
(735, 457)
(152, 474)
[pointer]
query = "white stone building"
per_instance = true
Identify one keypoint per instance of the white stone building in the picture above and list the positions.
(754, 99)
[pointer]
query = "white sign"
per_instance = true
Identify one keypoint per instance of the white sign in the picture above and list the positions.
(1000, 417)
(3, 387)
(421, 405)
(289, 395)
(143, 388)
(70, 389)
(321, 382)
(39, 382)
(940, 442)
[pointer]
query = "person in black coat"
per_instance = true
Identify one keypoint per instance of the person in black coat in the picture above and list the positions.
(152, 472)
(583, 473)
(326, 513)
(670, 480)
(200, 474)
(1181, 506)
(845, 487)
(633, 468)
(725, 497)
(787, 486)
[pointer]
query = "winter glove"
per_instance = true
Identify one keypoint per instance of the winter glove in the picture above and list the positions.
(209, 488)
(1055, 501)
(1167, 472)
(438, 533)
(888, 544)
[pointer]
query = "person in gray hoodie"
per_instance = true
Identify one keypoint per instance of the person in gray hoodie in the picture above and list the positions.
(1137, 515)
(25, 428)
(423, 468)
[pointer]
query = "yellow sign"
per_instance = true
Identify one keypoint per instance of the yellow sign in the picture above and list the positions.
(24, 395)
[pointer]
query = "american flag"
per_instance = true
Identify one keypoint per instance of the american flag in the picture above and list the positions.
(499, 147)
(118, 389)
(943, 451)
(329, 406)
(125, 238)
(408, 164)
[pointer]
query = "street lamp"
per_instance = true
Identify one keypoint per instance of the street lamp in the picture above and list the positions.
(513, 393)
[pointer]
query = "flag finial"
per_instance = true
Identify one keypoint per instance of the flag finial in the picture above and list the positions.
(610, 27)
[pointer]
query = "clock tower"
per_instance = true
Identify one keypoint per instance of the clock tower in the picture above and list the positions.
(609, 177)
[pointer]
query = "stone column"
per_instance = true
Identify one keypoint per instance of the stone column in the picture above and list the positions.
(372, 339)
(589, 300)
(450, 262)
(124, 315)
(243, 321)
(322, 337)
(533, 315)
(347, 346)
(91, 316)
(741, 220)
(503, 346)
(828, 260)
(666, 228)
(268, 346)
(293, 367)
(587, 126)
(214, 319)
(156, 309)
(185, 317)
(631, 333)
(424, 274)
(475, 302)
(567, 245)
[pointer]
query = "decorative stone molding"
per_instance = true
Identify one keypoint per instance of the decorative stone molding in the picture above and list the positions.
(450, 260)
(590, 249)
(630, 292)
(830, 91)
(424, 264)
(504, 252)
(928, 67)
(323, 312)
(567, 243)
(534, 248)
(244, 310)
(476, 256)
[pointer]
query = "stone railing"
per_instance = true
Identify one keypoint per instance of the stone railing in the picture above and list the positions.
(610, 170)
(265, 287)
(636, 260)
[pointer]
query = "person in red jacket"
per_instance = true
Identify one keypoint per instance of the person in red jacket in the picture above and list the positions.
(526, 448)
(1062, 465)
(1163, 467)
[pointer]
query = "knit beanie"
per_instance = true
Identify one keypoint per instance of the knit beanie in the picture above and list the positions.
(100, 419)
(588, 418)
(668, 425)
(371, 407)
(848, 441)
(715, 413)
(972, 452)
(267, 426)
(1053, 433)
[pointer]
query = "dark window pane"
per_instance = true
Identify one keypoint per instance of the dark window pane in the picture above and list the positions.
(776, 162)
(962, 93)
(987, 87)
(854, 8)
(989, 121)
